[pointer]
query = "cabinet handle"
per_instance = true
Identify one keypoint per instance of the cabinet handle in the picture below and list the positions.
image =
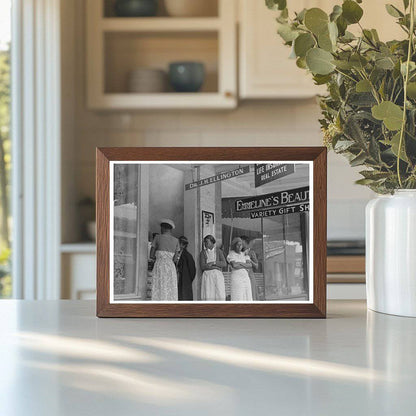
(228, 94)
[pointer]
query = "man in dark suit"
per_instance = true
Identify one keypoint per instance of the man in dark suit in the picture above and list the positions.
(186, 271)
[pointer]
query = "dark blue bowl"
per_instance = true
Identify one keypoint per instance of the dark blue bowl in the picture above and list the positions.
(186, 76)
(135, 8)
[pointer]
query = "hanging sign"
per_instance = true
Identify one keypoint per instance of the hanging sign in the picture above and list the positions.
(291, 209)
(218, 178)
(267, 172)
(276, 203)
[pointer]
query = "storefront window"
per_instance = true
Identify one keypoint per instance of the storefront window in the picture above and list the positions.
(126, 186)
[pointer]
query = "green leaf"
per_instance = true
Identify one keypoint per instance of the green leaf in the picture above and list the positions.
(394, 143)
(319, 61)
(286, 32)
(321, 79)
(368, 36)
(284, 14)
(342, 25)
(301, 63)
(374, 150)
(343, 145)
(347, 37)
(300, 17)
(303, 43)
(316, 20)
(374, 175)
(363, 86)
(351, 11)
(343, 65)
(325, 42)
(276, 4)
(412, 67)
(333, 32)
(411, 90)
(375, 35)
(358, 61)
(391, 114)
(393, 11)
(385, 63)
(364, 181)
(358, 160)
(361, 99)
(336, 12)
(406, 4)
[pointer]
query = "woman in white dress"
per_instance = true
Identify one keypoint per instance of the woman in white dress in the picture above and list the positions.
(240, 264)
(165, 248)
(212, 260)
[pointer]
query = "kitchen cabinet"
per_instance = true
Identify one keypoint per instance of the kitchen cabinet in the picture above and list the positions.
(265, 70)
(78, 271)
(116, 46)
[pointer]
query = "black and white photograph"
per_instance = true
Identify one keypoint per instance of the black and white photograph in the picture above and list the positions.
(210, 232)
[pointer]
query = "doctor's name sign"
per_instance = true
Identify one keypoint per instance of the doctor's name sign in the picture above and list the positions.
(218, 178)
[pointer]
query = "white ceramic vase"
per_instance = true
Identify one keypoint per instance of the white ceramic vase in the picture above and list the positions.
(391, 253)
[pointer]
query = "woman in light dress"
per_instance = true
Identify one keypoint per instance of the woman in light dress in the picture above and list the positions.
(165, 248)
(248, 251)
(240, 264)
(212, 261)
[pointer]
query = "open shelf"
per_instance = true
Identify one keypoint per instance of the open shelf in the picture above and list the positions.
(116, 46)
(160, 24)
(127, 51)
(211, 9)
(130, 101)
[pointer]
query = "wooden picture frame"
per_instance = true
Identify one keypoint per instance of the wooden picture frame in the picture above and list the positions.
(315, 307)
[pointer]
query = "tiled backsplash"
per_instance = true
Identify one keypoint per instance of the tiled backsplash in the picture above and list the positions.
(288, 123)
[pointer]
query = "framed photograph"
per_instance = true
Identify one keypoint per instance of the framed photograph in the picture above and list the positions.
(211, 232)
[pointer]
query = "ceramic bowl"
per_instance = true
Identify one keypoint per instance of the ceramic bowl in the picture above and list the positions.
(147, 80)
(135, 8)
(186, 76)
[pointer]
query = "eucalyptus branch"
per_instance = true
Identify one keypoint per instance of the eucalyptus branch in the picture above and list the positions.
(406, 80)
(373, 89)
(345, 75)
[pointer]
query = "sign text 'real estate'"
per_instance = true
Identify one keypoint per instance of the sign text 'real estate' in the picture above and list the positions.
(267, 172)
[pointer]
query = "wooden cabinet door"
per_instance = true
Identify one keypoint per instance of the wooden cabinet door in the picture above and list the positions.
(265, 68)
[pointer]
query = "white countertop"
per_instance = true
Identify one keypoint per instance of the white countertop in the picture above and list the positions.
(58, 359)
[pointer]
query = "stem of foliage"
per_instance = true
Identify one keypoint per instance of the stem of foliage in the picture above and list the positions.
(406, 80)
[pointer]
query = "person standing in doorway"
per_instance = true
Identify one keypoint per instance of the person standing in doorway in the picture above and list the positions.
(249, 252)
(164, 250)
(240, 264)
(186, 271)
(212, 260)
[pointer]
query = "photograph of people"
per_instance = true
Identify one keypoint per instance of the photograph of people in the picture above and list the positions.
(248, 251)
(164, 249)
(211, 261)
(240, 264)
(263, 209)
(186, 271)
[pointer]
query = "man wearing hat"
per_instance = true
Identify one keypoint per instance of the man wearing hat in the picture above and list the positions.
(186, 271)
